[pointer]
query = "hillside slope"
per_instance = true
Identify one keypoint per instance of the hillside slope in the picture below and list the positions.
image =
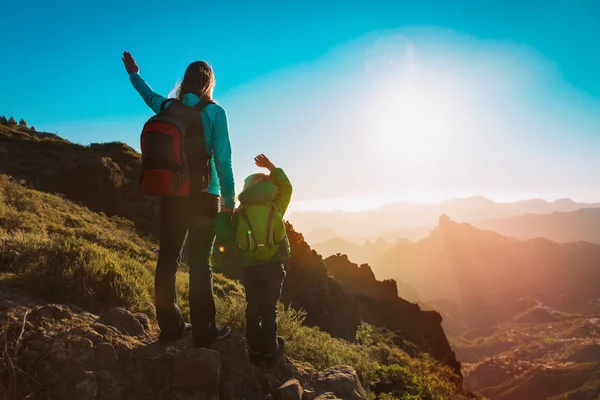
(103, 177)
(380, 305)
(54, 251)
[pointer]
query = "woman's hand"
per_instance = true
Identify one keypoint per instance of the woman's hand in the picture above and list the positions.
(130, 64)
(263, 162)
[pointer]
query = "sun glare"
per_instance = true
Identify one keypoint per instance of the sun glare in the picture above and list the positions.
(410, 119)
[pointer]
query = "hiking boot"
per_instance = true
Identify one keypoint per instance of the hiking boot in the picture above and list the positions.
(221, 332)
(256, 357)
(274, 358)
(173, 336)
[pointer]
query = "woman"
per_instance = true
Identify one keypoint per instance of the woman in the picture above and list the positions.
(194, 216)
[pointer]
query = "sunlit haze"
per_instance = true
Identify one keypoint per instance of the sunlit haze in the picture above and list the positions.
(391, 111)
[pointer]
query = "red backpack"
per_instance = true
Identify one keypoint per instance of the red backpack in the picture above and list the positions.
(175, 162)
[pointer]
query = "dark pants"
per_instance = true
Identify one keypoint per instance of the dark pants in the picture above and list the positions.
(181, 219)
(263, 288)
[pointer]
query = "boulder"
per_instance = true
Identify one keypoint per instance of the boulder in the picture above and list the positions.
(123, 320)
(342, 381)
(291, 390)
(51, 311)
(327, 396)
(105, 356)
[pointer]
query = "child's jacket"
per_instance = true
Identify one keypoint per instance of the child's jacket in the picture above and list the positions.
(277, 191)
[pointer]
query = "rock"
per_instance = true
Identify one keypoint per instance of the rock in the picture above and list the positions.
(123, 320)
(108, 386)
(51, 311)
(309, 395)
(327, 396)
(143, 320)
(29, 353)
(88, 333)
(80, 348)
(105, 356)
(100, 328)
(196, 369)
(36, 345)
(87, 389)
(342, 381)
(291, 390)
(7, 305)
(239, 379)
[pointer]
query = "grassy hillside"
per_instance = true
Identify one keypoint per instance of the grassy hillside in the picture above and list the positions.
(58, 251)
(104, 177)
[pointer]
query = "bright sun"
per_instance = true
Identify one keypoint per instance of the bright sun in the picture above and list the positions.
(412, 128)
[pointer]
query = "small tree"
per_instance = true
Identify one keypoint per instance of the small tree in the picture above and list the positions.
(3, 120)
(33, 128)
(11, 121)
(23, 124)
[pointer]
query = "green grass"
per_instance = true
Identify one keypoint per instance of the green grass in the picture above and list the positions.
(65, 253)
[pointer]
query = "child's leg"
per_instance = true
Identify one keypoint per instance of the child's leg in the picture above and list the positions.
(252, 284)
(272, 280)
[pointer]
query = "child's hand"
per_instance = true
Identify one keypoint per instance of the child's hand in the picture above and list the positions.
(263, 162)
(130, 64)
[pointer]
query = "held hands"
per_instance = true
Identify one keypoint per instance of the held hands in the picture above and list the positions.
(130, 64)
(263, 162)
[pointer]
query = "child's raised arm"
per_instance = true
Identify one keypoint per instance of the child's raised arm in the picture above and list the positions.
(279, 178)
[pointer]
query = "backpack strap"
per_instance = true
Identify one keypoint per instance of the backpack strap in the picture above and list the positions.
(164, 104)
(272, 211)
(251, 232)
(203, 103)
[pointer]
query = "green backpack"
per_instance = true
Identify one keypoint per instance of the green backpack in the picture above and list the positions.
(260, 231)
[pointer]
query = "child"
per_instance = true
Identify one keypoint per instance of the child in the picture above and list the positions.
(257, 229)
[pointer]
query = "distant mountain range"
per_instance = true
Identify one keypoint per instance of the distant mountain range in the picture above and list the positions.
(413, 220)
(478, 276)
(562, 227)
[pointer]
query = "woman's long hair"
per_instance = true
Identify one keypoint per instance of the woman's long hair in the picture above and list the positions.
(199, 79)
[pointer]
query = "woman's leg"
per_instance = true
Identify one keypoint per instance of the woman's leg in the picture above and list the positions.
(172, 238)
(201, 239)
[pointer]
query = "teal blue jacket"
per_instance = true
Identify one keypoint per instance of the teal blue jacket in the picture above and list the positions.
(216, 135)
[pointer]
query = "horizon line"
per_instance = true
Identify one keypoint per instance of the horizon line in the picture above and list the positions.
(357, 205)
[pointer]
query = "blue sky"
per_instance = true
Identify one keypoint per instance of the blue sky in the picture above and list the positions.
(497, 97)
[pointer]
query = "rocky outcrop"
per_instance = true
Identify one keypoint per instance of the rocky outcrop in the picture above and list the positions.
(308, 286)
(341, 381)
(379, 305)
(103, 177)
(59, 352)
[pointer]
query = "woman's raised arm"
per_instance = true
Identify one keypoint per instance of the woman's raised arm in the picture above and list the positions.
(152, 99)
